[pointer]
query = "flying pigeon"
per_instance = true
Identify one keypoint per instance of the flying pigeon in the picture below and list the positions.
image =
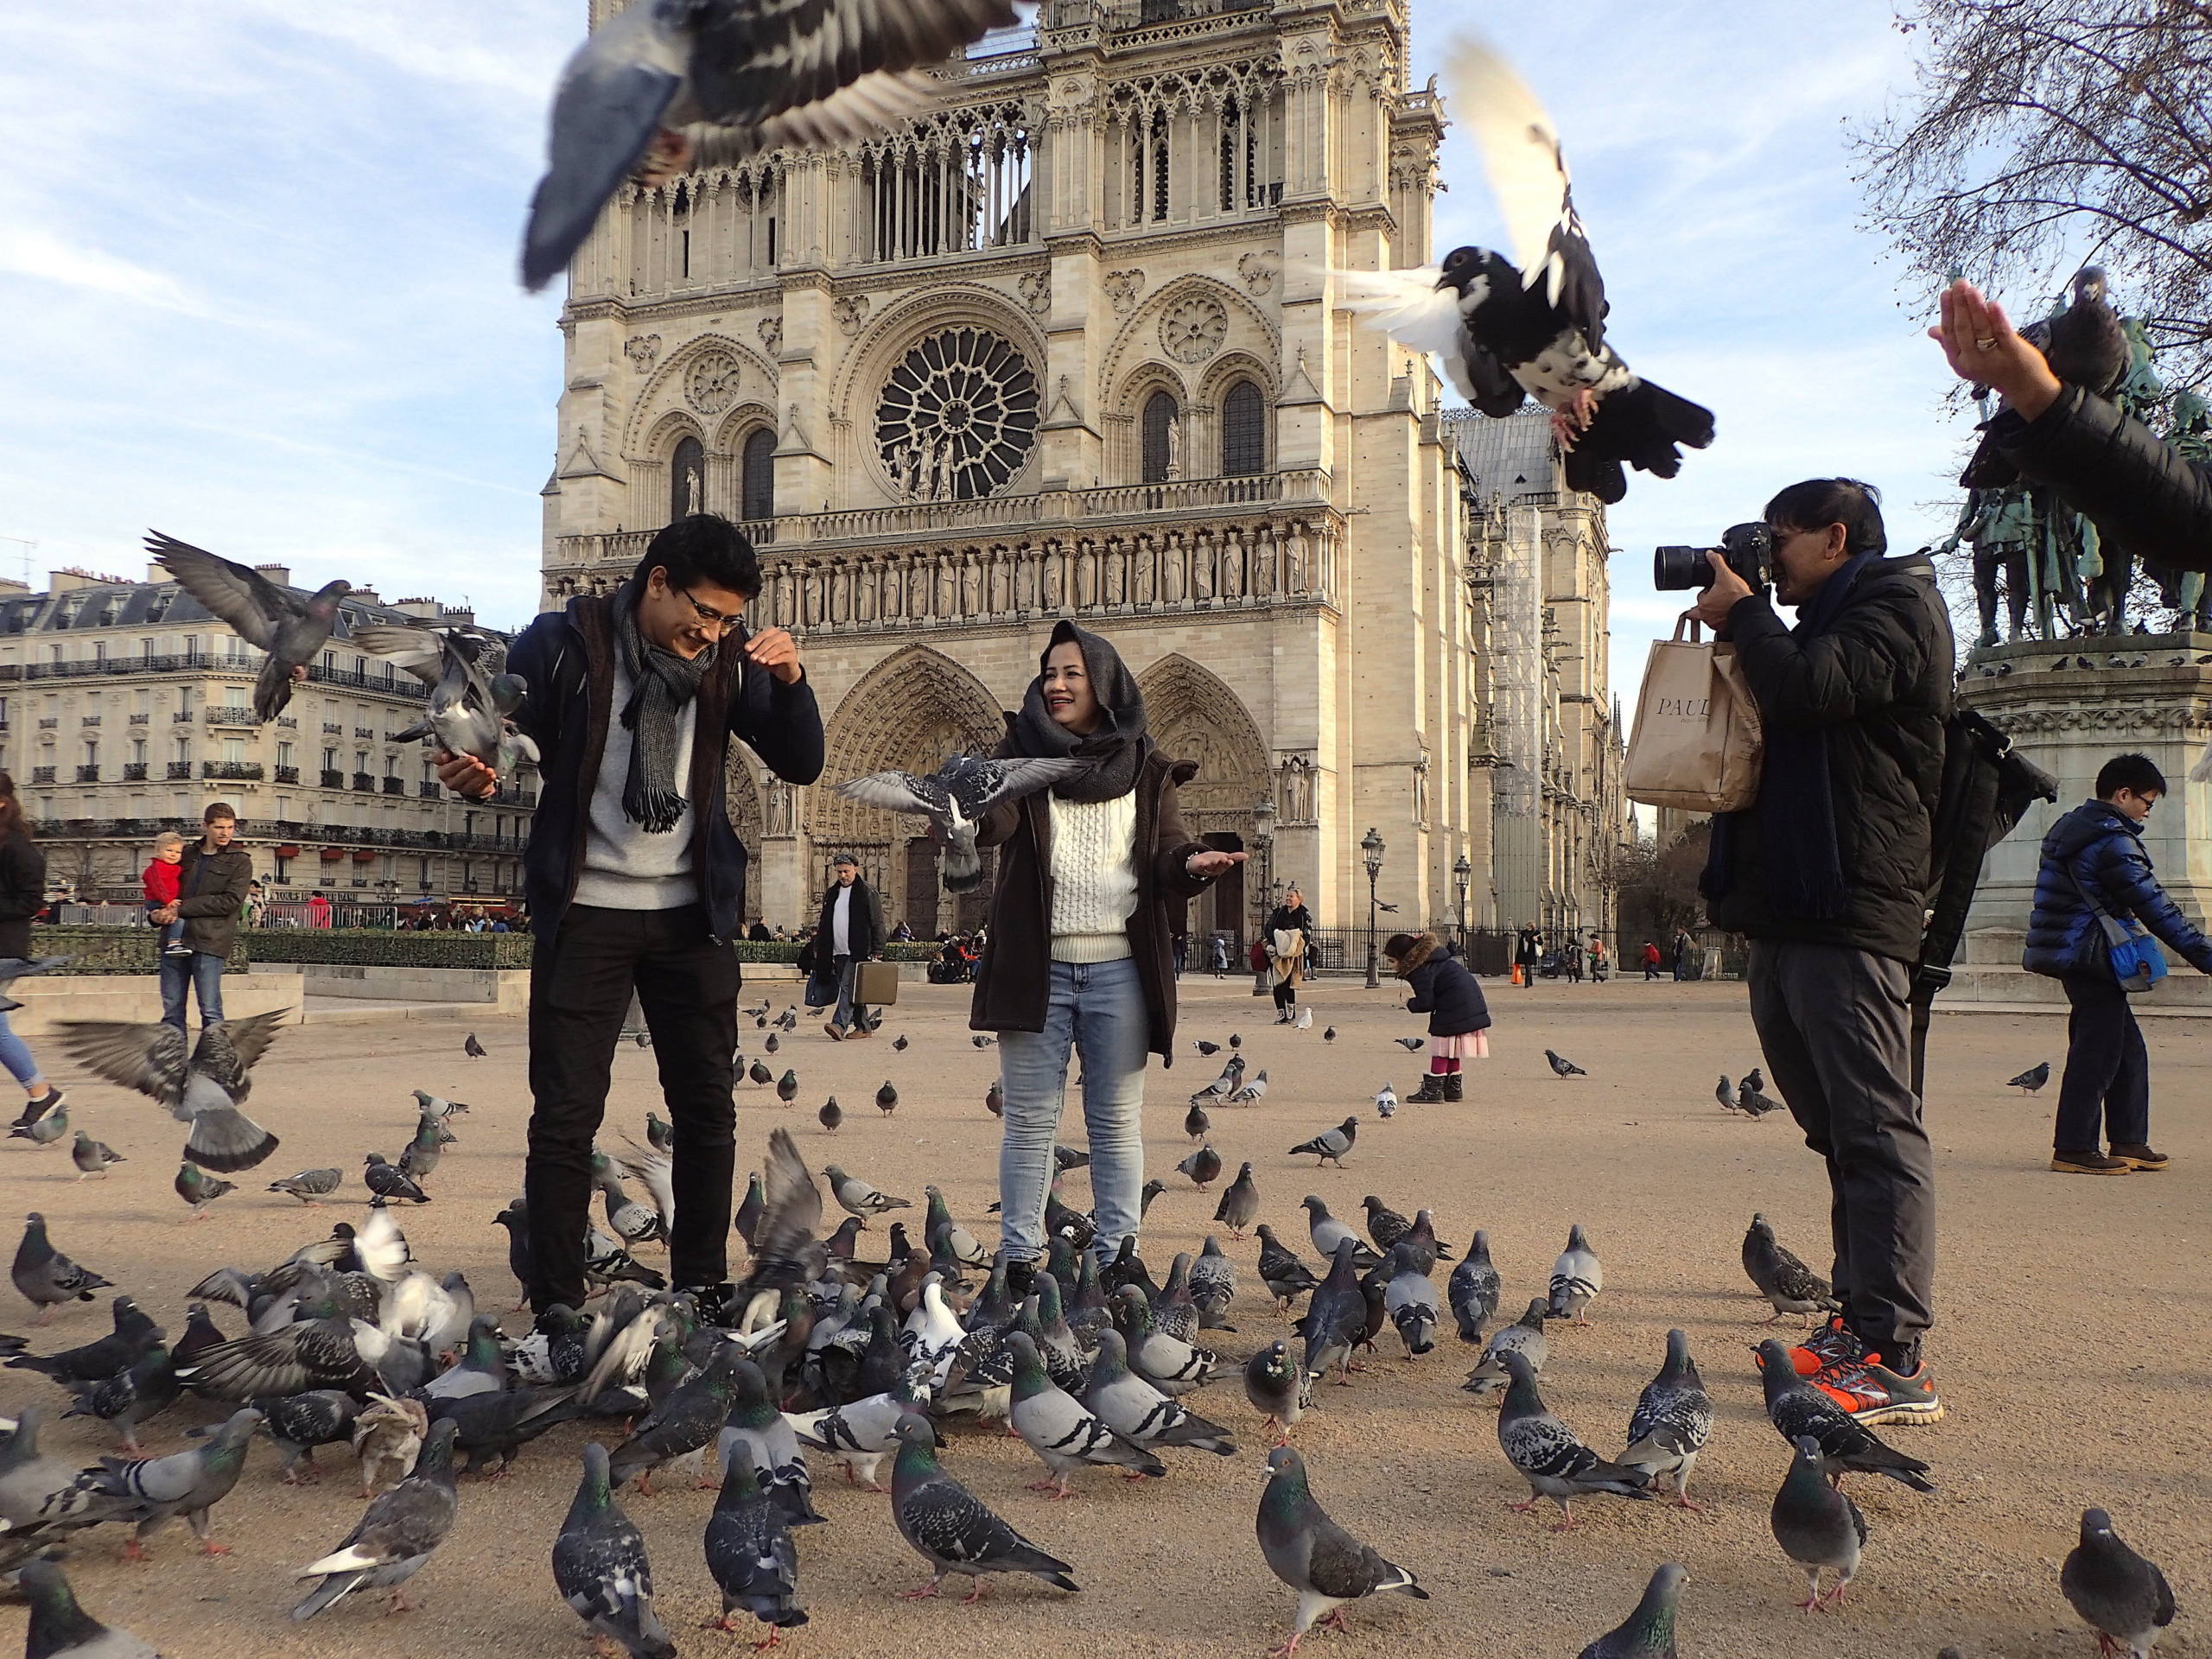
(1503, 332)
(1331, 1145)
(472, 699)
(310, 1184)
(204, 1092)
(1386, 1102)
(1671, 1421)
(2032, 1080)
(45, 1276)
(1313, 1556)
(1473, 1290)
(1563, 1067)
(763, 76)
(470, 1047)
(956, 796)
(292, 630)
(94, 1157)
(1797, 1409)
(1555, 1463)
(1240, 1202)
(600, 1569)
(1783, 1279)
(1816, 1525)
(2120, 1596)
(2085, 346)
(949, 1529)
(1577, 1277)
(1648, 1632)
(397, 1535)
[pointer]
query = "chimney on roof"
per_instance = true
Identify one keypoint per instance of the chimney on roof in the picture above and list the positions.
(9, 586)
(460, 616)
(158, 573)
(366, 595)
(279, 574)
(423, 609)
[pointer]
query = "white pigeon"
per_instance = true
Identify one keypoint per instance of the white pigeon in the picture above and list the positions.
(1252, 1090)
(932, 1333)
(954, 798)
(1305, 1020)
(1386, 1102)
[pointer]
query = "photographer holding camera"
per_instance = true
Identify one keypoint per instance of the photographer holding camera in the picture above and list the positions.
(1827, 874)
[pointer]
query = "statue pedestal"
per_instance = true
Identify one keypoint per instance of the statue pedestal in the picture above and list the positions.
(2069, 721)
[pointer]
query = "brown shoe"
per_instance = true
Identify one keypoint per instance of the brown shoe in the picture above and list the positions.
(2136, 1155)
(2089, 1163)
(862, 1030)
(834, 1032)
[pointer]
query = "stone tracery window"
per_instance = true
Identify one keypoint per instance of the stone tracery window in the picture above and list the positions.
(1243, 431)
(957, 417)
(757, 467)
(952, 183)
(1162, 457)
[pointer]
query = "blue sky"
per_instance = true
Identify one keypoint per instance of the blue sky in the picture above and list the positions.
(257, 264)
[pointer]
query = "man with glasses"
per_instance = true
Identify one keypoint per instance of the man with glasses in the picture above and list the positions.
(1828, 872)
(634, 877)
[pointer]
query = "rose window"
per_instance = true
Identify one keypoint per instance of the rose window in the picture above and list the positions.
(957, 417)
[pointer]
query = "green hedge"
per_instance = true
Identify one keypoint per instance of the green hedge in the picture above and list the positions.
(788, 950)
(117, 949)
(377, 947)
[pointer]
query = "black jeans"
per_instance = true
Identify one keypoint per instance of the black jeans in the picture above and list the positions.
(580, 981)
(2108, 1083)
(1836, 1029)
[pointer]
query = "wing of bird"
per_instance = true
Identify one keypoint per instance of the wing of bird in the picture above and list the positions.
(1409, 307)
(898, 791)
(791, 1214)
(1528, 174)
(419, 650)
(149, 1058)
(239, 595)
(979, 785)
(227, 1050)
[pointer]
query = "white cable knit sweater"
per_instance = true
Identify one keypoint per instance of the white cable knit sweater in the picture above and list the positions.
(1094, 877)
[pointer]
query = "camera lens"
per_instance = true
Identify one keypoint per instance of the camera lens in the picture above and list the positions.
(1679, 570)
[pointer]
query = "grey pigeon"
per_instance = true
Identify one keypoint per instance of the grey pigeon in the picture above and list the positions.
(1412, 1302)
(418, 1159)
(1384, 1225)
(1065, 1434)
(829, 1115)
(1196, 1124)
(472, 699)
(1279, 1387)
(1784, 1280)
(1285, 1277)
(291, 629)
(1473, 1290)
(471, 1046)
(1549, 1455)
(204, 1090)
(31, 1482)
(763, 76)
(1525, 1337)
(956, 796)
(1313, 1556)
(432, 1105)
(860, 1433)
(1331, 1146)
(1203, 1166)
(1327, 1232)
(1648, 1632)
(1255, 1090)
(2120, 1596)
(310, 1184)
(1411, 1044)
(949, 1529)
(45, 1276)
(1240, 1202)
(856, 1198)
(1139, 1413)
(94, 1157)
(134, 1333)
(388, 1181)
(750, 1554)
(1725, 1094)
(309, 1354)
(397, 1535)
(2031, 1079)
(601, 1568)
(1816, 1525)
(153, 1491)
(1336, 1317)
(298, 1423)
(1169, 1363)
(1753, 1102)
(199, 1189)
(682, 1427)
(755, 1432)
(143, 1389)
(1230, 1080)
(1213, 1285)
(1797, 1409)
(1577, 1277)
(492, 1428)
(1563, 1067)
(42, 1131)
(1671, 1421)
(60, 1629)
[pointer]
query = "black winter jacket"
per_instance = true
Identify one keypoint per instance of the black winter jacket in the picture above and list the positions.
(2116, 472)
(211, 892)
(2103, 850)
(863, 925)
(1443, 989)
(22, 892)
(1879, 680)
(567, 658)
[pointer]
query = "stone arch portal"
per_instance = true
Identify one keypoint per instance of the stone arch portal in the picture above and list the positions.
(1193, 715)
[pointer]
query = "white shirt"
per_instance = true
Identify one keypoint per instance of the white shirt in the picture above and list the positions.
(841, 932)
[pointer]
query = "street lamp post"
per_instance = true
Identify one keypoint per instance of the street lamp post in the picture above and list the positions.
(1263, 837)
(1371, 847)
(1461, 870)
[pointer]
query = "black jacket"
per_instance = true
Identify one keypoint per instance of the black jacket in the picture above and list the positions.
(567, 658)
(22, 892)
(2116, 472)
(863, 923)
(1443, 989)
(210, 891)
(1878, 678)
(2098, 847)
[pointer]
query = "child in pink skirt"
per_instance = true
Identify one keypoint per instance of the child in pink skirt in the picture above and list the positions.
(1459, 1018)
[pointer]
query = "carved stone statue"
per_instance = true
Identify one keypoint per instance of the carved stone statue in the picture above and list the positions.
(1174, 446)
(2000, 525)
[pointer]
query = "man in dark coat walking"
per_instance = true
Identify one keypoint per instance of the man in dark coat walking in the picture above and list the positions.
(849, 931)
(1828, 872)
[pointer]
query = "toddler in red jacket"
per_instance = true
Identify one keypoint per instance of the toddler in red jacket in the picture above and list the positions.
(163, 879)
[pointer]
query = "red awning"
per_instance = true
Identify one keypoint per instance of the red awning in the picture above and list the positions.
(364, 855)
(288, 851)
(332, 855)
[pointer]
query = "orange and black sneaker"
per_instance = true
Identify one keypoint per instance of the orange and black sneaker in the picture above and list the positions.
(1833, 1344)
(1873, 1393)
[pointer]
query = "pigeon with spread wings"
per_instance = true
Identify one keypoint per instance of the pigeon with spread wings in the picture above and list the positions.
(1504, 332)
(471, 693)
(956, 798)
(204, 1090)
(760, 73)
(291, 628)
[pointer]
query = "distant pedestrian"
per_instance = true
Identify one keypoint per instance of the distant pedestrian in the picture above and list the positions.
(1220, 955)
(2094, 871)
(158, 882)
(1570, 959)
(1459, 1018)
(1527, 952)
(212, 885)
(1290, 950)
(1599, 962)
(1681, 953)
(22, 895)
(318, 910)
(1182, 952)
(849, 931)
(1652, 960)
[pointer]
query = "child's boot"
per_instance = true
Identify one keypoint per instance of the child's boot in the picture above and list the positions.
(1431, 1090)
(1451, 1094)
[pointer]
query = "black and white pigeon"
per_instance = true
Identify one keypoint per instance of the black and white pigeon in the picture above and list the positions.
(2032, 1080)
(1240, 1202)
(60, 1629)
(2085, 346)
(1065, 1434)
(1563, 1067)
(1784, 1280)
(1816, 1525)
(2120, 1596)
(1279, 1387)
(1797, 1409)
(1473, 1290)
(750, 1552)
(471, 703)
(298, 1423)
(1549, 1455)
(950, 1529)
(204, 1090)
(762, 76)
(397, 1535)
(1577, 1278)
(1648, 1632)
(1671, 1421)
(1411, 1302)
(1313, 1556)
(956, 796)
(325, 1353)
(753, 1431)
(601, 1568)
(310, 1184)
(291, 628)
(45, 1276)
(1213, 1285)
(1285, 1277)
(1331, 1146)
(1504, 333)
(1525, 1337)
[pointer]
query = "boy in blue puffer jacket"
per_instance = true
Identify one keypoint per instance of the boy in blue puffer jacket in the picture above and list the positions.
(2098, 848)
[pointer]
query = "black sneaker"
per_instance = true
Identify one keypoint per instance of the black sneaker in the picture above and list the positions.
(1021, 1280)
(713, 1301)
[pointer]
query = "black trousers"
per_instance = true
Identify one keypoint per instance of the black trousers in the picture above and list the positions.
(580, 981)
(1836, 1029)
(2107, 1081)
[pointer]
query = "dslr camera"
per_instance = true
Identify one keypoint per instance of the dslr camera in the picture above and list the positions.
(1748, 550)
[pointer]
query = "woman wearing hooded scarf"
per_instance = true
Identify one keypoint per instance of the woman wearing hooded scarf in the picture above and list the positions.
(1080, 937)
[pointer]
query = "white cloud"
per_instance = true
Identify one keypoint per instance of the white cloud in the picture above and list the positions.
(28, 250)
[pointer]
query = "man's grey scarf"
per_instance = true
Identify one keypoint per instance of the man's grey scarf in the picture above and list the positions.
(661, 682)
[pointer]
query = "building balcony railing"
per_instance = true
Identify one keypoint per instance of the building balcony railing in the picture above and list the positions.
(134, 771)
(241, 771)
(88, 774)
(180, 716)
(395, 785)
(89, 720)
(365, 732)
(286, 831)
(47, 722)
(288, 774)
(141, 719)
(333, 728)
(365, 783)
(288, 722)
(429, 789)
(333, 779)
(42, 775)
(179, 769)
(224, 714)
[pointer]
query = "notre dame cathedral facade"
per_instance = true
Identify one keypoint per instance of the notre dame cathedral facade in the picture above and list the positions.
(1068, 346)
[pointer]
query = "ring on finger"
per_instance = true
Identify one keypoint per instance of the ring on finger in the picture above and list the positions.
(1987, 343)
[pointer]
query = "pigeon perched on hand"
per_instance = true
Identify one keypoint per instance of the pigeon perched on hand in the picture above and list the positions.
(1313, 1556)
(204, 1090)
(2085, 346)
(1783, 1279)
(292, 630)
(2120, 1596)
(1563, 1067)
(1504, 333)
(472, 701)
(2032, 1080)
(763, 76)
(956, 798)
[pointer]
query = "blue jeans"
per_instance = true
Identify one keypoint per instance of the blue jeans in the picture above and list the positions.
(850, 1015)
(15, 1054)
(1097, 1009)
(203, 973)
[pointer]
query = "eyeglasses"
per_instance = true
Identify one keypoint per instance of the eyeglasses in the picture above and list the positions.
(708, 617)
